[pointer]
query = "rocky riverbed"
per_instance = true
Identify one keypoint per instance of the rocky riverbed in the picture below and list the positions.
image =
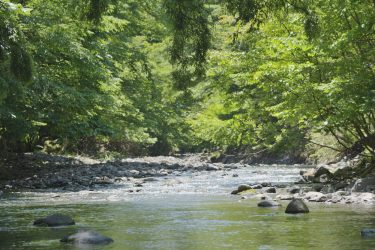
(315, 184)
(326, 183)
(80, 173)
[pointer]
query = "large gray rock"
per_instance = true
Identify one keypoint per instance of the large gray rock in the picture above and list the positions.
(322, 170)
(268, 203)
(54, 220)
(368, 233)
(296, 206)
(364, 185)
(87, 238)
(342, 171)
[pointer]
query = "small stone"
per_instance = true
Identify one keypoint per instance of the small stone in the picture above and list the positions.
(150, 179)
(211, 167)
(270, 190)
(285, 197)
(296, 206)
(294, 190)
(256, 186)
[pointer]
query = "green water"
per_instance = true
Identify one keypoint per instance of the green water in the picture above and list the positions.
(191, 221)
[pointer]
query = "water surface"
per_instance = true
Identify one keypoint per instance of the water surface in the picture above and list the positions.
(191, 211)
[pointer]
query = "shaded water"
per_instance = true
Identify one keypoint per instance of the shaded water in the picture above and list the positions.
(192, 211)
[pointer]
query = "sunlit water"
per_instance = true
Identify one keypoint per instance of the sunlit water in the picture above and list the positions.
(191, 211)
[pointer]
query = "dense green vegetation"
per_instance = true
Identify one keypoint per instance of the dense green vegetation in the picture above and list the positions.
(163, 76)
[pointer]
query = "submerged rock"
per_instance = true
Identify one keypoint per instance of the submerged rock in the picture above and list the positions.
(368, 233)
(54, 220)
(268, 203)
(296, 206)
(87, 237)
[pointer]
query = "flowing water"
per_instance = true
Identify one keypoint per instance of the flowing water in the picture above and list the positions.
(188, 211)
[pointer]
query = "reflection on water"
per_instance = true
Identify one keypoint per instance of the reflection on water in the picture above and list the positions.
(186, 212)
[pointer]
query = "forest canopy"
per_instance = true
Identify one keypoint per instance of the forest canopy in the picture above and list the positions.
(165, 76)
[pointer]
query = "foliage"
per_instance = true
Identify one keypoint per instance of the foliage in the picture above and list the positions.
(92, 82)
(307, 65)
(177, 75)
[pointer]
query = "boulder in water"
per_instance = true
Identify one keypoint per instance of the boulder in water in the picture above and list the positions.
(243, 187)
(54, 220)
(368, 233)
(296, 206)
(87, 238)
(268, 203)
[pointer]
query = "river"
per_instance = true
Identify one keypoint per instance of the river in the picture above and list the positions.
(192, 210)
